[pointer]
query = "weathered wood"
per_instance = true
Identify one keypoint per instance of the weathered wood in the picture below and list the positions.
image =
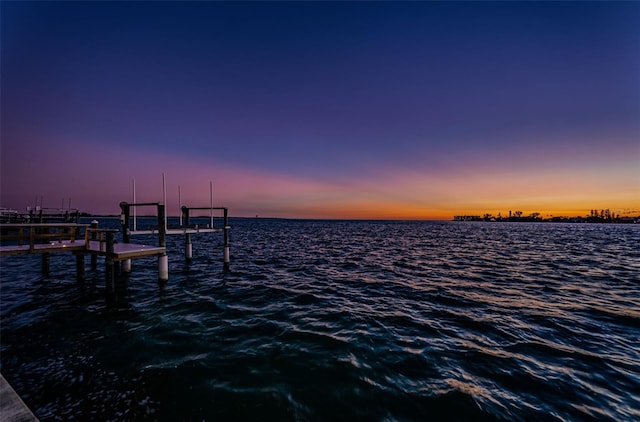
(25, 238)
(94, 236)
(122, 251)
(12, 408)
(172, 231)
(46, 264)
(80, 269)
(64, 246)
(95, 247)
(110, 280)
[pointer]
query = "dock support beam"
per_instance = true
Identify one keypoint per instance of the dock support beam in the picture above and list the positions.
(94, 236)
(126, 233)
(226, 240)
(46, 260)
(188, 247)
(163, 260)
(80, 273)
(110, 273)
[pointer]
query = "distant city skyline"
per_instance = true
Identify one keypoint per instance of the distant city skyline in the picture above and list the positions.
(410, 110)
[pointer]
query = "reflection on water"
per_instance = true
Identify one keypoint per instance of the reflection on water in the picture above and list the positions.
(325, 320)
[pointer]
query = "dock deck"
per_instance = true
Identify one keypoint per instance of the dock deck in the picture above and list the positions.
(121, 251)
(51, 238)
(12, 408)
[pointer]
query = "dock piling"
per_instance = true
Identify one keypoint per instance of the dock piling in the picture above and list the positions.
(46, 261)
(110, 276)
(94, 236)
(126, 233)
(188, 247)
(163, 260)
(226, 240)
(80, 270)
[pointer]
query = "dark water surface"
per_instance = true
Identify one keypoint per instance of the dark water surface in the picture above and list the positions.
(339, 320)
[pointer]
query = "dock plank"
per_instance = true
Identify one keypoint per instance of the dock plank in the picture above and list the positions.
(171, 231)
(121, 251)
(124, 251)
(65, 245)
(12, 408)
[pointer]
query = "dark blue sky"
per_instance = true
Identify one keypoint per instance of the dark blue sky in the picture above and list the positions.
(327, 92)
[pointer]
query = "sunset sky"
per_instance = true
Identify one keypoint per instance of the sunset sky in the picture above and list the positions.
(323, 109)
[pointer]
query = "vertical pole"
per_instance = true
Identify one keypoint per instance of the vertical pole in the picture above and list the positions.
(110, 276)
(188, 248)
(163, 260)
(164, 199)
(46, 260)
(179, 204)
(94, 236)
(226, 240)
(211, 202)
(126, 233)
(135, 219)
(45, 256)
(80, 267)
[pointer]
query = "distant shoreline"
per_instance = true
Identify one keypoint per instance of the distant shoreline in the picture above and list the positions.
(591, 220)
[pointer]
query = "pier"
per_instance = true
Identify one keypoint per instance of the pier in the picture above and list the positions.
(162, 229)
(83, 239)
(46, 231)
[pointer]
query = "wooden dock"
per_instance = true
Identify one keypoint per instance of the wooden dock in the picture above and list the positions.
(52, 238)
(12, 408)
(82, 240)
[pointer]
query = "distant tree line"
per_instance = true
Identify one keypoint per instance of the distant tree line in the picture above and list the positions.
(595, 216)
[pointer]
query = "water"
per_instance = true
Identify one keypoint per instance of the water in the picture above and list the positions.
(340, 320)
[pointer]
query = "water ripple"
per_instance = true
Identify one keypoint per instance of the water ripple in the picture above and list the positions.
(337, 320)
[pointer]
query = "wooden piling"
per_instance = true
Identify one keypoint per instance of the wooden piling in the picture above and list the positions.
(163, 260)
(126, 233)
(110, 276)
(46, 261)
(80, 270)
(94, 236)
(226, 264)
(188, 247)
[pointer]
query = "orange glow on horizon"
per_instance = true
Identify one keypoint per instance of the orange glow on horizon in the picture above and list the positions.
(390, 193)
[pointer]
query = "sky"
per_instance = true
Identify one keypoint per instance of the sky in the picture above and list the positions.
(391, 110)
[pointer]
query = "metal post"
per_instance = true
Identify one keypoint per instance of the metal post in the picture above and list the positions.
(163, 260)
(226, 240)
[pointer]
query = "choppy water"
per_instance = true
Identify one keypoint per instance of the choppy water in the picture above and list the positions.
(340, 320)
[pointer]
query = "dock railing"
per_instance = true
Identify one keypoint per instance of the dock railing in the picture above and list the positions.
(99, 235)
(35, 234)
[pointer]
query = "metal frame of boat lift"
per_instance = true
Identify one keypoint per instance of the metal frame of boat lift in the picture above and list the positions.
(163, 230)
